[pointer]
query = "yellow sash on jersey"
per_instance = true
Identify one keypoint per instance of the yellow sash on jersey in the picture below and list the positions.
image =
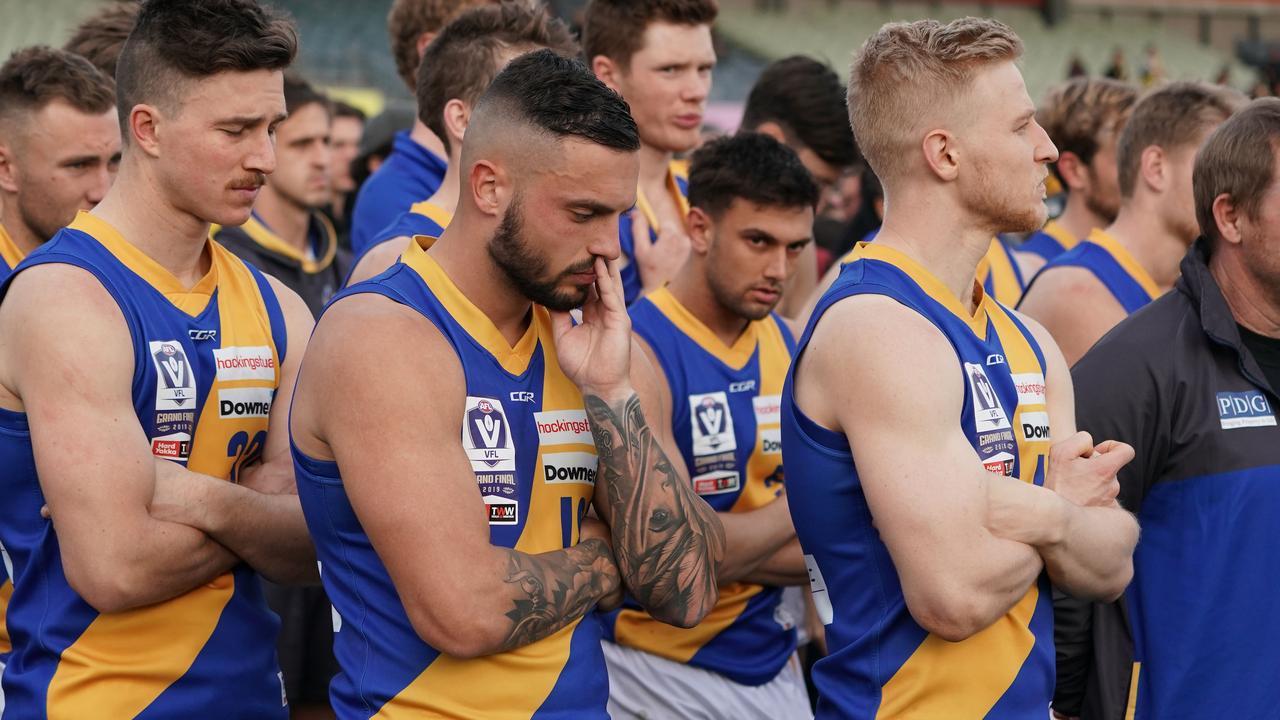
(12, 255)
(998, 265)
(124, 661)
(675, 169)
(428, 209)
(450, 686)
(1127, 261)
(1054, 229)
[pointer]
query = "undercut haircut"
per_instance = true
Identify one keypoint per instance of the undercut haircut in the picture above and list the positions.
(34, 77)
(100, 38)
(807, 100)
(176, 41)
(471, 47)
(905, 70)
(298, 93)
(559, 97)
(1079, 114)
(408, 20)
(752, 167)
(1171, 118)
(1239, 160)
(615, 28)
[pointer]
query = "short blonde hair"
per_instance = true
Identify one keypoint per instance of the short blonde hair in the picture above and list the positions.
(906, 68)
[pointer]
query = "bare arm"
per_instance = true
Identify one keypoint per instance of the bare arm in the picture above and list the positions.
(824, 284)
(1074, 308)
(115, 555)
(260, 519)
(784, 567)
(395, 435)
(667, 541)
(378, 259)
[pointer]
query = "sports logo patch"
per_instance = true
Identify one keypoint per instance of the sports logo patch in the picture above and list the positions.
(245, 402)
(1030, 388)
(569, 467)
(175, 379)
(988, 414)
(712, 424)
(717, 483)
(1244, 409)
(768, 409)
(558, 427)
(1035, 426)
(771, 441)
(1000, 464)
(245, 363)
(486, 436)
(172, 447)
(502, 511)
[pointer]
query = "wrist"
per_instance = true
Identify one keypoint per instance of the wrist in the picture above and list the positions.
(1056, 517)
(612, 395)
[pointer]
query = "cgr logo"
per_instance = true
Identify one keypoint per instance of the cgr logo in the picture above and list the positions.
(1035, 426)
(202, 334)
(522, 397)
(744, 386)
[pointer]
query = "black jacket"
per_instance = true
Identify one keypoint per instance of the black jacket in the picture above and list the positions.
(1175, 381)
(315, 280)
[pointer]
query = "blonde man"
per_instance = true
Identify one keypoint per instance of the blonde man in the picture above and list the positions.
(928, 500)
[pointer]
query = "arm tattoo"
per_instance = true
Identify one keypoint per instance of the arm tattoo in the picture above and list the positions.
(556, 588)
(667, 541)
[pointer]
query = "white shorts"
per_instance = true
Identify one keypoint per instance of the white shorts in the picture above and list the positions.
(643, 686)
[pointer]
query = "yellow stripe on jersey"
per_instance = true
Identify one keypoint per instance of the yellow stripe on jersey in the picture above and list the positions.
(514, 360)
(191, 301)
(9, 250)
(675, 169)
(775, 361)
(143, 641)
(997, 265)
(263, 236)
(977, 321)
(946, 669)
(6, 590)
(1126, 261)
(1131, 707)
(428, 209)
(735, 357)
(1055, 230)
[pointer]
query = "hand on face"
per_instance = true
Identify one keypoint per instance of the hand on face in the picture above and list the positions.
(658, 261)
(596, 353)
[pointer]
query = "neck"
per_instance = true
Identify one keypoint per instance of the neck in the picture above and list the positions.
(446, 196)
(136, 206)
(422, 135)
(22, 235)
(691, 289)
(462, 252)
(927, 227)
(1078, 220)
(653, 168)
(1141, 230)
(288, 220)
(1253, 303)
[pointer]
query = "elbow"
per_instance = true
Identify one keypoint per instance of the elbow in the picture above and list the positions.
(1106, 589)
(107, 589)
(461, 635)
(686, 611)
(952, 616)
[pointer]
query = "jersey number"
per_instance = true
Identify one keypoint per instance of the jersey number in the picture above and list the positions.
(244, 451)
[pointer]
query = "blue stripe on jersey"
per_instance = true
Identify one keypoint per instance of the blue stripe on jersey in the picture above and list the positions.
(407, 224)
(1114, 267)
(1201, 604)
(881, 662)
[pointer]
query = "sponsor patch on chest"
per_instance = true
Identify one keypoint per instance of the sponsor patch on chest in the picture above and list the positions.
(244, 363)
(558, 427)
(569, 467)
(1249, 408)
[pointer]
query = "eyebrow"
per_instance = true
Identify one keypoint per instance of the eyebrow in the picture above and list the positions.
(249, 119)
(76, 160)
(592, 205)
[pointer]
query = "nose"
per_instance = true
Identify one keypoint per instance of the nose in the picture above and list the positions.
(1046, 151)
(262, 157)
(780, 263)
(102, 180)
(603, 241)
(697, 87)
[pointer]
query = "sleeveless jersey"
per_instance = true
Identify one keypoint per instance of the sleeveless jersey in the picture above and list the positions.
(1114, 266)
(206, 368)
(525, 429)
(10, 256)
(1049, 242)
(725, 422)
(678, 186)
(882, 664)
(997, 271)
(424, 218)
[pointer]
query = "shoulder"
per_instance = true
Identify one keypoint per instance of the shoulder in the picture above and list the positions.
(877, 329)
(378, 258)
(291, 303)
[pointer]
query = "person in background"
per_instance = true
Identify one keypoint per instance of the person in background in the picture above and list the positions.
(344, 146)
(100, 37)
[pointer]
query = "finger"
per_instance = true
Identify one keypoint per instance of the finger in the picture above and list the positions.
(1078, 445)
(609, 285)
(640, 233)
(1117, 456)
(561, 323)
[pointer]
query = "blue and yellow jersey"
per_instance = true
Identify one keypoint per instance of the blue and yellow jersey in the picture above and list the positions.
(10, 256)
(678, 186)
(997, 271)
(206, 368)
(725, 421)
(882, 664)
(1049, 242)
(423, 218)
(525, 429)
(1114, 266)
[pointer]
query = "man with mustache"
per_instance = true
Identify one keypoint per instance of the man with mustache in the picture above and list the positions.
(714, 338)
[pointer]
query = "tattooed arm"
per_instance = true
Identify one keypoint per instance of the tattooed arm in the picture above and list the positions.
(395, 435)
(667, 541)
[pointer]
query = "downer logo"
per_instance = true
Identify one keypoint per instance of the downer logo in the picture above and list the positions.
(569, 467)
(1035, 426)
(245, 402)
(1244, 409)
(502, 511)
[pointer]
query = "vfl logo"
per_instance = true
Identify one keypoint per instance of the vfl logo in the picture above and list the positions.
(712, 424)
(486, 436)
(988, 415)
(175, 381)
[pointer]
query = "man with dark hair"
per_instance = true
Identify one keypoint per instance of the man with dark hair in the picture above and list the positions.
(345, 131)
(287, 236)
(101, 36)
(478, 43)
(416, 165)
(1084, 118)
(140, 596)
(59, 146)
(722, 354)
(1191, 381)
(482, 469)
(801, 102)
(658, 55)
(1082, 294)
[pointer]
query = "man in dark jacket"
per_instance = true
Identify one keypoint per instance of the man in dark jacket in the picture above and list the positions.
(287, 236)
(1190, 381)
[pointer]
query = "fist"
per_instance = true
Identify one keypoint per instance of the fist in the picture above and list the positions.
(1086, 474)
